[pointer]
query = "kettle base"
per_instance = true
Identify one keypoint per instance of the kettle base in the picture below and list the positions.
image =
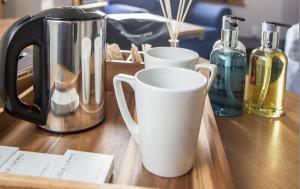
(67, 132)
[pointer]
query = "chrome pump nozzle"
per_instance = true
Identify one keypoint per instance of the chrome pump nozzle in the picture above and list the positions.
(270, 34)
(229, 36)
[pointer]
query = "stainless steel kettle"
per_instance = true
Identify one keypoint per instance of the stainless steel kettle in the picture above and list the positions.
(68, 69)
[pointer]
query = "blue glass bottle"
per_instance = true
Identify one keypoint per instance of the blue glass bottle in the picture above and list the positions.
(227, 92)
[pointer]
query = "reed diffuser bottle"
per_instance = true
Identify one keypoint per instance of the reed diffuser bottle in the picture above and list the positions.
(267, 74)
(227, 92)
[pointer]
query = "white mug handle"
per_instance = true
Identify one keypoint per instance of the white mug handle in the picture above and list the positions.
(213, 72)
(130, 123)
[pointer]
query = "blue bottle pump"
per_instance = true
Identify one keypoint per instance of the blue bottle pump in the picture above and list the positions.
(227, 93)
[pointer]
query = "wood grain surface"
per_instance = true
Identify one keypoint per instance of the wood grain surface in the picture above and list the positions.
(263, 152)
(27, 182)
(76, 2)
(186, 30)
(4, 24)
(210, 171)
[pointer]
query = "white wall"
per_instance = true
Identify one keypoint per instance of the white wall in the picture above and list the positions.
(290, 11)
(46, 4)
(257, 11)
(20, 8)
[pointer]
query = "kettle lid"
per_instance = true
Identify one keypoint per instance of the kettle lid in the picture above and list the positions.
(70, 14)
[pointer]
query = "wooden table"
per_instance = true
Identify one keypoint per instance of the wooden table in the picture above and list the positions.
(186, 30)
(262, 153)
(4, 24)
(210, 171)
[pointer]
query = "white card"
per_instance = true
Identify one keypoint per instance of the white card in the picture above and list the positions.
(84, 167)
(30, 164)
(6, 152)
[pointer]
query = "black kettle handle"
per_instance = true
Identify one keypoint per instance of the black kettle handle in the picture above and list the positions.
(26, 31)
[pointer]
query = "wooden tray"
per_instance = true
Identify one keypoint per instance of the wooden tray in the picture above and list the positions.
(211, 170)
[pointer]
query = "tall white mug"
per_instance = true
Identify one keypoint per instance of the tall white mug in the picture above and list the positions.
(176, 57)
(169, 106)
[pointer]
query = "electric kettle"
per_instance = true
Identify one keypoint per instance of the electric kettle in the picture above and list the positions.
(68, 69)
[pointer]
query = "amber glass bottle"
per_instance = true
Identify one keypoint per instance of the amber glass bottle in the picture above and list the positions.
(265, 86)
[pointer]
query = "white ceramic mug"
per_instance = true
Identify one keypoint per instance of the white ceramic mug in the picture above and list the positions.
(169, 106)
(176, 57)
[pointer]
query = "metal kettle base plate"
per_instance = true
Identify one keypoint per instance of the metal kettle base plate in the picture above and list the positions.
(47, 128)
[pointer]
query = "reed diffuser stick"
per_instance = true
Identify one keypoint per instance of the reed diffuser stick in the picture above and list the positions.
(169, 14)
(182, 11)
(165, 15)
(178, 14)
(179, 21)
(187, 9)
